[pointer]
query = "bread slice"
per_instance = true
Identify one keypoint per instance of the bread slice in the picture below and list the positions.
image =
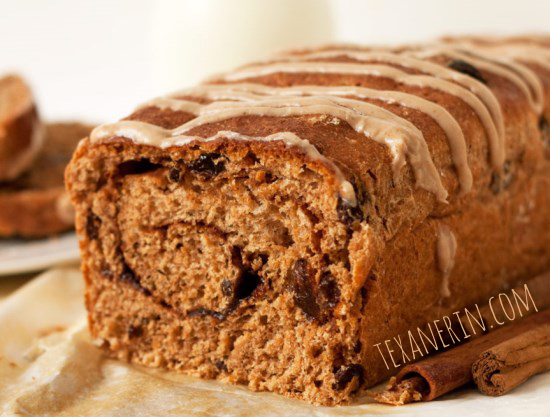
(21, 133)
(35, 204)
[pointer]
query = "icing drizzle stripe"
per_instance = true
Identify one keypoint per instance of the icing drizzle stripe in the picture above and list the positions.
(477, 95)
(148, 134)
(351, 104)
(249, 91)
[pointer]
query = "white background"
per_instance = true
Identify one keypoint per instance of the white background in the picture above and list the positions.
(96, 60)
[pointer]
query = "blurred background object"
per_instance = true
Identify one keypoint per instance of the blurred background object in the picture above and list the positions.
(194, 38)
(95, 60)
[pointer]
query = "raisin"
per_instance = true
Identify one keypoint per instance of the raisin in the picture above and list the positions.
(227, 288)
(507, 174)
(264, 258)
(133, 167)
(203, 312)
(543, 123)
(328, 290)
(495, 183)
(93, 223)
(221, 366)
(544, 128)
(338, 359)
(501, 181)
(135, 331)
(468, 69)
(174, 175)
(129, 277)
(251, 158)
(270, 178)
(246, 284)
(208, 164)
(300, 284)
(236, 257)
(364, 297)
(346, 374)
(364, 292)
(315, 303)
(347, 213)
(106, 272)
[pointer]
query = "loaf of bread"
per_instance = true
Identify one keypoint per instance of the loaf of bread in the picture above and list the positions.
(272, 225)
(21, 133)
(35, 204)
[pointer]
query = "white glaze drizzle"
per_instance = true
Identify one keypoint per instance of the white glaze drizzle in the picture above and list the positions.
(487, 110)
(516, 50)
(138, 132)
(404, 59)
(446, 252)
(401, 136)
(145, 133)
(531, 53)
(250, 91)
(404, 140)
(514, 72)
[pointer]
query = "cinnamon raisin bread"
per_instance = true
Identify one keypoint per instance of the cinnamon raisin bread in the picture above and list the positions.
(35, 204)
(21, 133)
(273, 224)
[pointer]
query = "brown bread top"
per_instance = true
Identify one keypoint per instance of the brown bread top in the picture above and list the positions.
(423, 128)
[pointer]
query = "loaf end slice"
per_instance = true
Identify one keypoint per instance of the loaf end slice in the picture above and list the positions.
(225, 261)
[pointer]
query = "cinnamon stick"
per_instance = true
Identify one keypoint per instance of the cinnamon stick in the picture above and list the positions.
(508, 364)
(453, 368)
(407, 391)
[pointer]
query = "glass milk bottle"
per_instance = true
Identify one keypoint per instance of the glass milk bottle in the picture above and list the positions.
(192, 39)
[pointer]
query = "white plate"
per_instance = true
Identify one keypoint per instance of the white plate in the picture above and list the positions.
(18, 256)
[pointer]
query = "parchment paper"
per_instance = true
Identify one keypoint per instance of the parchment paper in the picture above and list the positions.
(48, 366)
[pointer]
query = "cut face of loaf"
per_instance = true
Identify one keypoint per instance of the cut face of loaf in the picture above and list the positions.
(271, 227)
(230, 224)
(226, 258)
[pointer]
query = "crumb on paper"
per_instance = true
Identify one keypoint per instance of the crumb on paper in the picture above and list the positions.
(402, 393)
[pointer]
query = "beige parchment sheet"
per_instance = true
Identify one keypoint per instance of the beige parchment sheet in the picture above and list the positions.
(48, 366)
